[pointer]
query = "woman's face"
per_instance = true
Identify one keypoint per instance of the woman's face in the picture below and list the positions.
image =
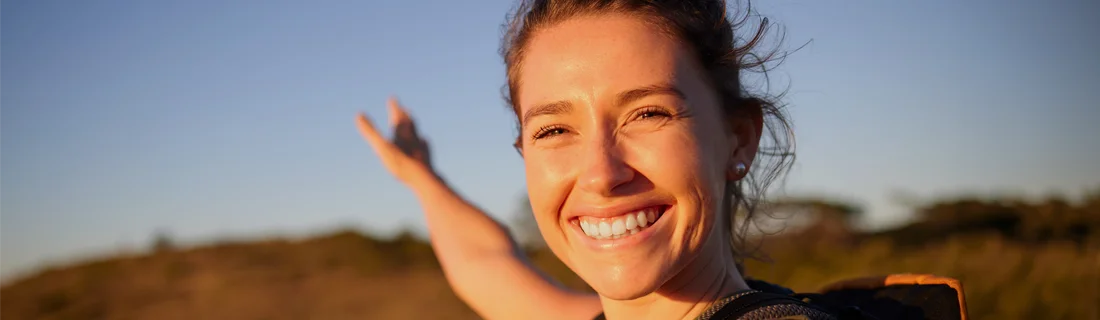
(625, 151)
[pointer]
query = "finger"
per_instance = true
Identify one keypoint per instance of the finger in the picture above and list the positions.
(403, 125)
(397, 113)
(369, 133)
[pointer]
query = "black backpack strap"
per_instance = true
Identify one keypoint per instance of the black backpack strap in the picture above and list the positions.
(752, 301)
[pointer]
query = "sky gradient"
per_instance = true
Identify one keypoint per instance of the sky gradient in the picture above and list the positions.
(213, 119)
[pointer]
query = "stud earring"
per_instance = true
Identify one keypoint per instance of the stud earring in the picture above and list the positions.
(740, 169)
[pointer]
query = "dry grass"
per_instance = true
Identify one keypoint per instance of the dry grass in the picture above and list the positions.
(1052, 273)
(341, 276)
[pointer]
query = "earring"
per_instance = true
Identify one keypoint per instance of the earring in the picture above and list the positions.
(740, 169)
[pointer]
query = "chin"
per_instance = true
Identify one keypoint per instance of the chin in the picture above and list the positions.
(619, 284)
(625, 291)
(623, 281)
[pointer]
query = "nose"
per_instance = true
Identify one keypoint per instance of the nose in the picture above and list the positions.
(603, 169)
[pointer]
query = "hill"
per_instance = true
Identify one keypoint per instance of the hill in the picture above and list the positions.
(1017, 260)
(345, 275)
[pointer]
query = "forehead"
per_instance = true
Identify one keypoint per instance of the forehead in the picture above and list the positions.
(596, 54)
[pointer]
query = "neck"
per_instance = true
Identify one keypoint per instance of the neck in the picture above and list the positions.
(709, 277)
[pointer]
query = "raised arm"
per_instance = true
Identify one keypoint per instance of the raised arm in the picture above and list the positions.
(481, 261)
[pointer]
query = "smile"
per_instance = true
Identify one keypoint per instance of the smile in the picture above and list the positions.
(620, 226)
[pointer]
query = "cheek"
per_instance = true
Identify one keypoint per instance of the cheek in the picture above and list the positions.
(685, 164)
(714, 158)
(547, 183)
(547, 188)
(676, 162)
(713, 152)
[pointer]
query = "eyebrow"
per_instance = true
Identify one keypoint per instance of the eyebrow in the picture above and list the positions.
(547, 109)
(624, 98)
(656, 89)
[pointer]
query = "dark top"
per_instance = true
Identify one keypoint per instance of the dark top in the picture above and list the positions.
(761, 307)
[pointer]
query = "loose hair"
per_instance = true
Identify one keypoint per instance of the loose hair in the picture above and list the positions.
(704, 27)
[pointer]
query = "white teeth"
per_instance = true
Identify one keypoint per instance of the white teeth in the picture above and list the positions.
(590, 229)
(617, 227)
(605, 230)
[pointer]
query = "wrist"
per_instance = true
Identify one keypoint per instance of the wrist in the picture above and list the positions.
(426, 183)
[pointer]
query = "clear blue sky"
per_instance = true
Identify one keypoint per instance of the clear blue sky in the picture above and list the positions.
(213, 119)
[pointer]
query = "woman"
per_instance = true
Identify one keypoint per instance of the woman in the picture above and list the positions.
(638, 135)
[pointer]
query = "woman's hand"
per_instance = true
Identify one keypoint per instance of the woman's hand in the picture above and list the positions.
(406, 157)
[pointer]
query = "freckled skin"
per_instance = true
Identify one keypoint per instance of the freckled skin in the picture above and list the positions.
(664, 147)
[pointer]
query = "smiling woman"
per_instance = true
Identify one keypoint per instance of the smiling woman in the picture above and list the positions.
(639, 140)
(605, 157)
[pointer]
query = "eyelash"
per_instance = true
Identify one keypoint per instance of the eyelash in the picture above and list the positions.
(652, 112)
(546, 131)
(646, 113)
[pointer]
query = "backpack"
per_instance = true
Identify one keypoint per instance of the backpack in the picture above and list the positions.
(896, 296)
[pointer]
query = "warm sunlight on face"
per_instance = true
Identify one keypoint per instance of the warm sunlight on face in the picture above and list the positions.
(624, 148)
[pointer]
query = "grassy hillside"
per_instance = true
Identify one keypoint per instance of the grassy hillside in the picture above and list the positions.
(339, 276)
(1016, 260)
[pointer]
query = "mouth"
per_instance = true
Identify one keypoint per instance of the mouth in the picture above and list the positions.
(621, 226)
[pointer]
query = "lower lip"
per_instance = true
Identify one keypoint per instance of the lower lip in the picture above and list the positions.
(620, 243)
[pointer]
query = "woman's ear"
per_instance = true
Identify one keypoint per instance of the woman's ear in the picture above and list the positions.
(746, 125)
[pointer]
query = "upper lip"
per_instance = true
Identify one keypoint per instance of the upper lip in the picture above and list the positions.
(611, 209)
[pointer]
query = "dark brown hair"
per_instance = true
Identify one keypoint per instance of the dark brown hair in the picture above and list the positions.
(704, 27)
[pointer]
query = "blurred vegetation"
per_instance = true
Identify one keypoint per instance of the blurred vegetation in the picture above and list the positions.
(1016, 259)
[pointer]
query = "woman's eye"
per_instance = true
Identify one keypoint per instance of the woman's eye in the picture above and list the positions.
(547, 132)
(650, 113)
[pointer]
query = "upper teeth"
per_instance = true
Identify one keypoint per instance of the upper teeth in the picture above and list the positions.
(616, 227)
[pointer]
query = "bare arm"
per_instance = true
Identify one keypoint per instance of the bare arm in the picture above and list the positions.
(486, 268)
(480, 259)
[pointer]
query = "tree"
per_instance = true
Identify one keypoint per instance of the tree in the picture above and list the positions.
(162, 242)
(825, 217)
(820, 208)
